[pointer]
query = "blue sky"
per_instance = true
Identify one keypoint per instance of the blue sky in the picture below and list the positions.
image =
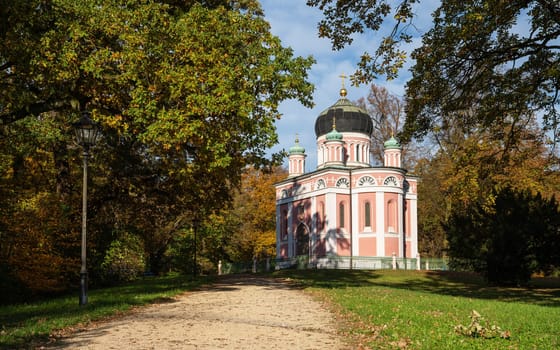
(296, 25)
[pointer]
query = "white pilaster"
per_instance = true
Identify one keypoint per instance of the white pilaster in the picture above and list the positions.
(380, 222)
(355, 215)
(400, 222)
(414, 225)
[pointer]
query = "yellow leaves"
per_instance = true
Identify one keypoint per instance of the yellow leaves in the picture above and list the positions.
(255, 203)
(481, 328)
(35, 164)
(31, 203)
(265, 244)
(116, 122)
(38, 227)
(475, 16)
(489, 203)
(70, 57)
(400, 17)
(116, 56)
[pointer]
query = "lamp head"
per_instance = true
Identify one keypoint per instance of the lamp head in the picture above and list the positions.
(87, 131)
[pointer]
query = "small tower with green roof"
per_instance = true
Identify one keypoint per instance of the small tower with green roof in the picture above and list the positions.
(296, 159)
(392, 154)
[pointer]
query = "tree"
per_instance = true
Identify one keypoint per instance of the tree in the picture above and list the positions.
(186, 92)
(486, 64)
(387, 113)
(39, 238)
(433, 205)
(509, 240)
(243, 230)
(254, 206)
(484, 86)
(501, 58)
(468, 170)
(172, 77)
(344, 18)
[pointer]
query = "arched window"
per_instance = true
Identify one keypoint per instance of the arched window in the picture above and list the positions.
(357, 153)
(343, 183)
(366, 181)
(391, 181)
(341, 214)
(367, 215)
(391, 216)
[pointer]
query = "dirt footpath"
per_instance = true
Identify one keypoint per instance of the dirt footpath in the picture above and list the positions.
(242, 312)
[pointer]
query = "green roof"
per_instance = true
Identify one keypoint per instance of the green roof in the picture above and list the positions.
(392, 143)
(334, 135)
(296, 148)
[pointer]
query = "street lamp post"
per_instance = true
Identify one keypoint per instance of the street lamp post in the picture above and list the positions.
(87, 132)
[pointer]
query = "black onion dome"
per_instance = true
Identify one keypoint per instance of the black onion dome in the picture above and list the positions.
(348, 118)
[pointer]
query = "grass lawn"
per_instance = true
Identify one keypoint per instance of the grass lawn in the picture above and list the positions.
(420, 310)
(23, 325)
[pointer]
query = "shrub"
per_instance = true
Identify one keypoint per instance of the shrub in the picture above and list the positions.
(124, 260)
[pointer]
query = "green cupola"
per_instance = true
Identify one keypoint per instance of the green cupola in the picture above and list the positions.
(296, 148)
(334, 135)
(392, 143)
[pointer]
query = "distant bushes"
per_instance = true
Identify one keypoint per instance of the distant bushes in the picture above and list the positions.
(124, 260)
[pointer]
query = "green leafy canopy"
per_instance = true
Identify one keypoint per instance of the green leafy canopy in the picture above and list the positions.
(186, 93)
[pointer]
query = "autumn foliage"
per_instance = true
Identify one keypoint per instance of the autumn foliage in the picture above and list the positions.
(186, 94)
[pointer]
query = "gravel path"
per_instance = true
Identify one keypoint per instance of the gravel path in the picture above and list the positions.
(236, 312)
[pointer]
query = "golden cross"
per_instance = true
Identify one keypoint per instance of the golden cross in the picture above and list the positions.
(343, 76)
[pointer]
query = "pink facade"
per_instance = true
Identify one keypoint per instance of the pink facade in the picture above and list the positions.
(346, 207)
(368, 246)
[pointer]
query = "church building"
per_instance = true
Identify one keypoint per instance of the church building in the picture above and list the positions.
(346, 213)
